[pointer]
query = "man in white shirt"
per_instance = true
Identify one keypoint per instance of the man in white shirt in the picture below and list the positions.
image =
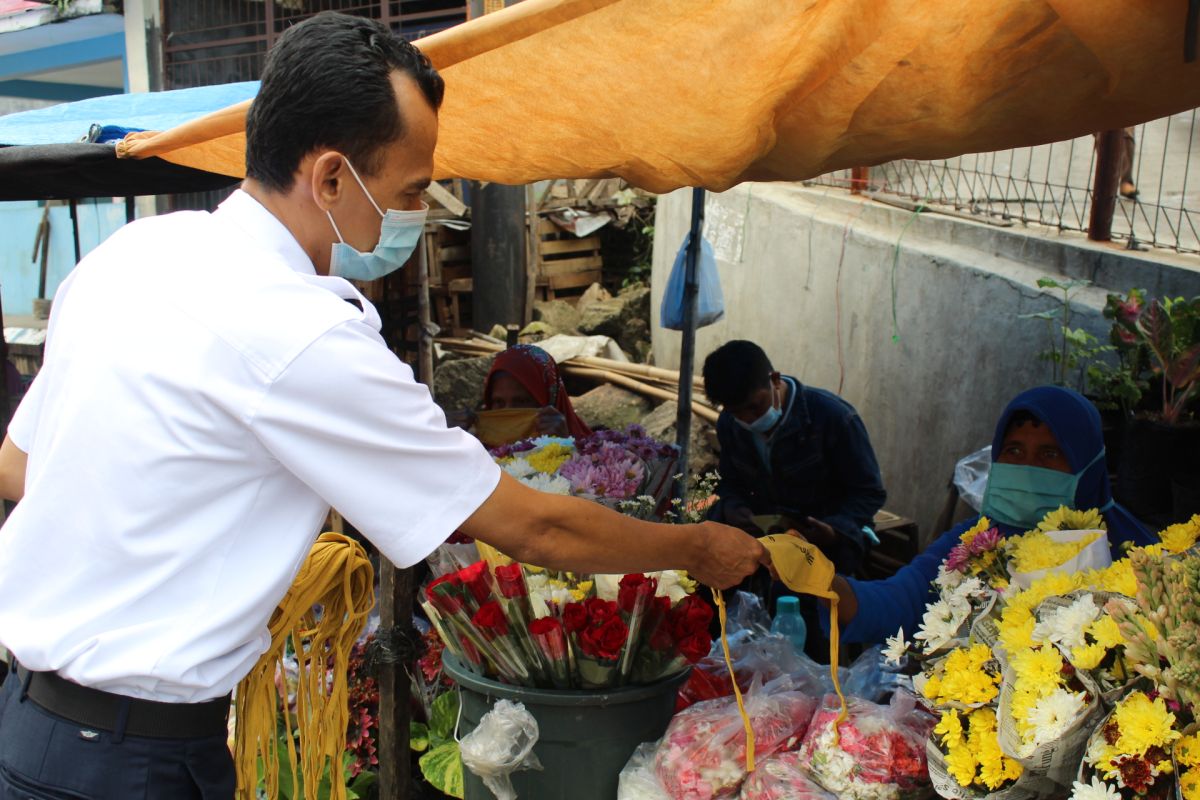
(212, 384)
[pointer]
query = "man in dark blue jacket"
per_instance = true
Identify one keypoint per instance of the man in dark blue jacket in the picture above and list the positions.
(794, 451)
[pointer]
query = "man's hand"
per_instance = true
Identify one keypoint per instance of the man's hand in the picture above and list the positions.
(728, 556)
(819, 533)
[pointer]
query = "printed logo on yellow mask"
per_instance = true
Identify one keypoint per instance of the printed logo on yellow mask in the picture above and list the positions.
(801, 565)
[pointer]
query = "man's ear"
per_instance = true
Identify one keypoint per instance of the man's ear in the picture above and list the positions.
(328, 180)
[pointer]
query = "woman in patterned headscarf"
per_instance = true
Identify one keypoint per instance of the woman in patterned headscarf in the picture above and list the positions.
(525, 378)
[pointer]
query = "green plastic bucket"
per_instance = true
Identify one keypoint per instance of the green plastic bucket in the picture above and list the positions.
(585, 737)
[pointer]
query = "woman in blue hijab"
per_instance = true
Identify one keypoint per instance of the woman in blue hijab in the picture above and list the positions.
(1048, 451)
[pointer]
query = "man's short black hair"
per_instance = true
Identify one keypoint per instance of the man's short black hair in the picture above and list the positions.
(328, 83)
(734, 371)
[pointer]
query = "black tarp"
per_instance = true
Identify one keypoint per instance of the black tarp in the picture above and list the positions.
(82, 170)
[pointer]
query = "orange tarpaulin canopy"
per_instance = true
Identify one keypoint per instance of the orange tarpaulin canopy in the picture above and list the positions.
(670, 93)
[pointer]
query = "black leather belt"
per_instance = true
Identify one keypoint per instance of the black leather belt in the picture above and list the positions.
(125, 716)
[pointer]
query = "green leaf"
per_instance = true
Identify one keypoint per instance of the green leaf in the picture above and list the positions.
(443, 769)
(1049, 283)
(418, 736)
(362, 783)
(443, 716)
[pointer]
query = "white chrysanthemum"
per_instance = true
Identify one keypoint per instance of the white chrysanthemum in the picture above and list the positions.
(896, 648)
(551, 484)
(671, 585)
(1066, 626)
(947, 579)
(1051, 716)
(519, 468)
(941, 623)
(607, 586)
(1096, 790)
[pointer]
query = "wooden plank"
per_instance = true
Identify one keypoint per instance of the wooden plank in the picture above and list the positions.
(446, 199)
(573, 280)
(458, 252)
(567, 266)
(556, 246)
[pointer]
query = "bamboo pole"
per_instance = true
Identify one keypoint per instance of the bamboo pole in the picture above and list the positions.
(635, 385)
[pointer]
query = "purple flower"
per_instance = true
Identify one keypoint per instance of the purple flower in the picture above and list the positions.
(607, 470)
(957, 560)
(985, 541)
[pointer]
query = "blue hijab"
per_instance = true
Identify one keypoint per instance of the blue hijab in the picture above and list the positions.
(1075, 423)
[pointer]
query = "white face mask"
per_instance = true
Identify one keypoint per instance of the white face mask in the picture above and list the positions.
(399, 233)
(769, 419)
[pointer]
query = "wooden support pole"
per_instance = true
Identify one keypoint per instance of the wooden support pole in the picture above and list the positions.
(860, 179)
(1104, 187)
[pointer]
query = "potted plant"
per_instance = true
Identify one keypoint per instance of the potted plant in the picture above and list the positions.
(1157, 380)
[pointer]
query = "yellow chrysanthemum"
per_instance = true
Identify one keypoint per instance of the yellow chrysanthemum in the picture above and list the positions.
(1069, 519)
(1144, 723)
(979, 527)
(1106, 632)
(550, 458)
(932, 687)
(1189, 784)
(1088, 657)
(995, 768)
(1117, 578)
(1187, 751)
(1016, 628)
(1182, 536)
(950, 728)
(1038, 669)
(964, 677)
(1037, 551)
(961, 764)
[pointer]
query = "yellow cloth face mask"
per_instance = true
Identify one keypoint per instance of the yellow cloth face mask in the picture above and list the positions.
(506, 426)
(804, 569)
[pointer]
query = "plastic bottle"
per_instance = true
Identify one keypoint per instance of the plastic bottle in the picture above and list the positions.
(789, 623)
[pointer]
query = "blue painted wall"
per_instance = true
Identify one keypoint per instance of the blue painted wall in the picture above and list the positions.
(18, 227)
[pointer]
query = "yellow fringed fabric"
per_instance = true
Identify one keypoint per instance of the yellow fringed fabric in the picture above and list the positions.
(339, 579)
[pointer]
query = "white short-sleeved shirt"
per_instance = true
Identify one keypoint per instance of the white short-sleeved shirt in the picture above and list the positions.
(205, 398)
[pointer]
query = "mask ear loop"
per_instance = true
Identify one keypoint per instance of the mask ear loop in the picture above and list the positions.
(363, 186)
(329, 214)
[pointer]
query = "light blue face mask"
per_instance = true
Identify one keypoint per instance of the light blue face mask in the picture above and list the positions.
(1021, 496)
(399, 233)
(769, 419)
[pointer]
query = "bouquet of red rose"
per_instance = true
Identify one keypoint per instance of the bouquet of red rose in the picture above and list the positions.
(675, 638)
(598, 635)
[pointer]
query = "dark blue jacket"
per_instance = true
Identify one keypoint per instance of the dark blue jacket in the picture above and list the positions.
(822, 466)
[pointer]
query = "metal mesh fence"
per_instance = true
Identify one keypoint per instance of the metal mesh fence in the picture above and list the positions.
(1052, 184)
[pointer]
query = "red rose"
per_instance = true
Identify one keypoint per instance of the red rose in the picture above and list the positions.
(605, 641)
(692, 615)
(695, 647)
(478, 580)
(599, 610)
(548, 633)
(444, 594)
(491, 620)
(544, 626)
(662, 639)
(511, 580)
(634, 587)
(575, 617)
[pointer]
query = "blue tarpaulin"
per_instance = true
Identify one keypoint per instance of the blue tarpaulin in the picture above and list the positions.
(154, 111)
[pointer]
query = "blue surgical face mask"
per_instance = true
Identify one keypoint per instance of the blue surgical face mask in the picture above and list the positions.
(399, 233)
(1021, 496)
(765, 423)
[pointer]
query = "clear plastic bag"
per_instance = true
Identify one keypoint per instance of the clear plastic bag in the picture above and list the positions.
(870, 678)
(710, 302)
(638, 779)
(877, 753)
(703, 754)
(970, 476)
(783, 777)
(501, 744)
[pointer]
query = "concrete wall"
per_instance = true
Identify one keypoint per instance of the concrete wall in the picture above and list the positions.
(18, 226)
(811, 273)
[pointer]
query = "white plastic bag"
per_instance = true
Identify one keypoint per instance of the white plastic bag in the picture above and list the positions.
(710, 302)
(638, 780)
(501, 745)
(971, 475)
